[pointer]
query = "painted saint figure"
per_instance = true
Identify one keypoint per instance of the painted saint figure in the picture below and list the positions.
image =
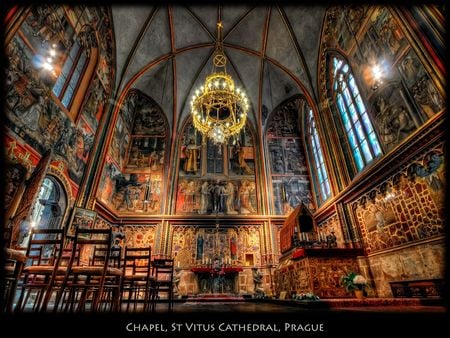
(233, 248)
(192, 153)
(243, 166)
(200, 247)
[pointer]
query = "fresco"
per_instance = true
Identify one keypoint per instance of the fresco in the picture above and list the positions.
(289, 174)
(33, 114)
(133, 177)
(394, 118)
(216, 179)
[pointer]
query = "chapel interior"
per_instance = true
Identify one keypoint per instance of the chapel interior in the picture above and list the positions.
(272, 153)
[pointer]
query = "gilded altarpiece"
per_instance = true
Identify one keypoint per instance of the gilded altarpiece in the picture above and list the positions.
(237, 247)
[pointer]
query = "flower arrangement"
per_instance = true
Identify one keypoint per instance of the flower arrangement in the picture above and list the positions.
(354, 281)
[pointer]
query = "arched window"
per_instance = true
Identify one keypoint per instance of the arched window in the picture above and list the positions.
(50, 205)
(361, 136)
(48, 210)
(69, 78)
(323, 183)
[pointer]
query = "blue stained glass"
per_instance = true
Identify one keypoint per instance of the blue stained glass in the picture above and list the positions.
(352, 139)
(57, 87)
(367, 122)
(375, 145)
(358, 159)
(345, 68)
(360, 104)
(365, 147)
(353, 85)
(347, 96)
(359, 131)
(327, 188)
(353, 113)
(67, 96)
(319, 173)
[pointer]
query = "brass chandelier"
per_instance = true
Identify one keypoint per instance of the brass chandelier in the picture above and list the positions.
(218, 108)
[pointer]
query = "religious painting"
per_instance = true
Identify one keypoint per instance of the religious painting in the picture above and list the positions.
(82, 219)
(190, 151)
(289, 192)
(225, 197)
(377, 215)
(137, 193)
(93, 106)
(149, 120)
(147, 152)
(283, 121)
(119, 142)
(393, 116)
(286, 159)
(389, 31)
(14, 176)
(241, 154)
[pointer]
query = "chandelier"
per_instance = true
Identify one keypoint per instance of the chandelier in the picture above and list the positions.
(218, 108)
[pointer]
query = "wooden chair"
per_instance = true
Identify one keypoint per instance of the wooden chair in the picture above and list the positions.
(111, 291)
(12, 269)
(84, 282)
(162, 272)
(43, 256)
(136, 277)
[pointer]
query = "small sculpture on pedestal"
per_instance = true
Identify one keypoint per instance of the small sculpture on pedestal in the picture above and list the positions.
(257, 281)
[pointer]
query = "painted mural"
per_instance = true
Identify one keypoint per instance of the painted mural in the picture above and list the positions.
(406, 97)
(407, 208)
(33, 112)
(289, 174)
(216, 179)
(133, 175)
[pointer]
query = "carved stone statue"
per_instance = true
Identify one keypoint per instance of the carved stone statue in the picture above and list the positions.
(229, 193)
(257, 281)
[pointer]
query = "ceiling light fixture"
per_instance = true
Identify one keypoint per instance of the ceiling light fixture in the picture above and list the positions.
(218, 108)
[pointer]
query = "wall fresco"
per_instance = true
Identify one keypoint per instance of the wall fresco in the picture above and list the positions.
(33, 113)
(286, 159)
(406, 97)
(133, 176)
(216, 179)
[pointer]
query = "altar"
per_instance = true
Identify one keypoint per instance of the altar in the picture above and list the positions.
(217, 280)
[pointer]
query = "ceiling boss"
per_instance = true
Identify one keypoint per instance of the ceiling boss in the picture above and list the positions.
(218, 108)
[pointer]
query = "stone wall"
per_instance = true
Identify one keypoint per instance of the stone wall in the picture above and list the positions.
(425, 261)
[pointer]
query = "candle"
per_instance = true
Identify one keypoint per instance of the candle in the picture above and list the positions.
(307, 239)
(178, 264)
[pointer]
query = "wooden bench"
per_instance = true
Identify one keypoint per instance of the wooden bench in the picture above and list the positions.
(418, 288)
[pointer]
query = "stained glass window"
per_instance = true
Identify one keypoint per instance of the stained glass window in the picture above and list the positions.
(71, 73)
(319, 163)
(363, 141)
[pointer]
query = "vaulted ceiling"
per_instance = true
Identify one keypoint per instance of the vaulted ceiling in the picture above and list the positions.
(166, 52)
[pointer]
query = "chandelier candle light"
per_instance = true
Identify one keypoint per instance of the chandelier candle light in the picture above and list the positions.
(218, 108)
